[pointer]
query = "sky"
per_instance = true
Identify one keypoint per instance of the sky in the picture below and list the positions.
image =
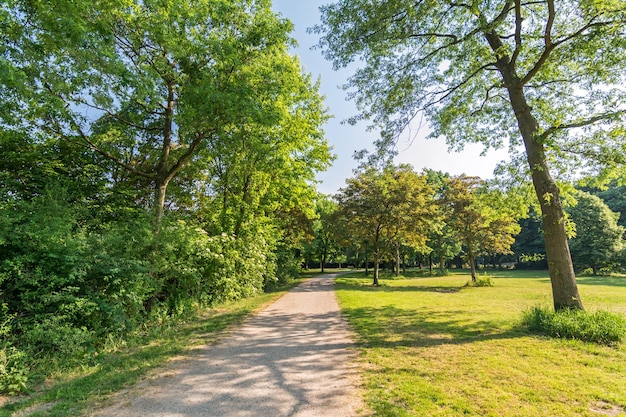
(346, 139)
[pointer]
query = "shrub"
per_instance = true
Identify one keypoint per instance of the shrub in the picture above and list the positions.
(13, 370)
(601, 327)
(483, 281)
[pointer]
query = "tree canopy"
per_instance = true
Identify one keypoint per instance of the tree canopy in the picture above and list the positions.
(157, 86)
(599, 240)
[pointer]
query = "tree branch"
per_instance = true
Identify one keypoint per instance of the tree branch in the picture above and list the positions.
(184, 157)
(117, 117)
(447, 92)
(108, 155)
(518, 32)
(548, 45)
(581, 123)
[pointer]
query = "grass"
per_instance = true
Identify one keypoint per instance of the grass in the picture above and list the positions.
(73, 393)
(432, 347)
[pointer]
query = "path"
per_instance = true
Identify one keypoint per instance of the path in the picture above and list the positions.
(291, 359)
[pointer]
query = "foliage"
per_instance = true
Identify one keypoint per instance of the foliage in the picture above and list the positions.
(482, 219)
(614, 197)
(482, 281)
(386, 207)
(161, 96)
(323, 246)
(529, 247)
(444, 60)
(601, 327)
(192, 267)
(442, 238)
(599, 240)
(13, 368)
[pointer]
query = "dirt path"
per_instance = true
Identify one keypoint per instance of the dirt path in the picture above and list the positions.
(292, 359)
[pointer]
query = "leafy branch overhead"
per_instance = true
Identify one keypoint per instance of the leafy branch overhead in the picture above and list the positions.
(455, 61)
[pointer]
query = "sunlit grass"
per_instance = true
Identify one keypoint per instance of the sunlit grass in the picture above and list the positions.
(432, 347)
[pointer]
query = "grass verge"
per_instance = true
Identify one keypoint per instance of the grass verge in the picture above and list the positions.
(74, 392)
(432, 347)
(602, 327)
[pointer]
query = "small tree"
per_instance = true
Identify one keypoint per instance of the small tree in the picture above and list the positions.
(379, 207)
(323, 246)
(480, 218)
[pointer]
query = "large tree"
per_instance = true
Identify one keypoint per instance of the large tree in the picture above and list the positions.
(443, 239)
(543, 73)
(155, 86)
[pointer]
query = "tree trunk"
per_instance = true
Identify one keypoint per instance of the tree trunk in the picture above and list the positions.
(472, 262)
(564, 289)
(367, 270)
(442, 265)
(162, 175)
(397, 259)
(404, 262)
(159, 204)
(430, 263)
(376, 265)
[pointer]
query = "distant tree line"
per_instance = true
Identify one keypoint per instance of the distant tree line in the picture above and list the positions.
(397, 217)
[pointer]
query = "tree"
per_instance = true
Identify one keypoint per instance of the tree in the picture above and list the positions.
(614, 196)
(323, 245)
(382, 207)
(443, 239)
(484, 71)
(154, 85)
(599, 239)
(480, 217)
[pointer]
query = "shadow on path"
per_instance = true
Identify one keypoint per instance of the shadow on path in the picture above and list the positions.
(291, 359)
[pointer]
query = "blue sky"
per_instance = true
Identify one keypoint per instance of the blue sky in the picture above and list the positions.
(346, 139)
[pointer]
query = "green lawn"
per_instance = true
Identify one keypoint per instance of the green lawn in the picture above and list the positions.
(432, 347)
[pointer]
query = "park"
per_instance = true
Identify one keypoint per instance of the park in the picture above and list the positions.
(162, 213)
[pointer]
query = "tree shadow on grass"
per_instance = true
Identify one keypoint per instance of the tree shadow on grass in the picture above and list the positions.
(360, 285)
(408, 288)
(390, 326)
(603, 281)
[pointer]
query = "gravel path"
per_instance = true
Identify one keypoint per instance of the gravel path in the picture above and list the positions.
(292, 359)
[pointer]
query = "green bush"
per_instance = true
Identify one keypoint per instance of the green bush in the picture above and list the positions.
(13, 370)
(483, 281)
(601, 327)
(54, 336)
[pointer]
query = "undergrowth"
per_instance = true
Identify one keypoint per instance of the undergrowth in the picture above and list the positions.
(601, 327)
(484, 281)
